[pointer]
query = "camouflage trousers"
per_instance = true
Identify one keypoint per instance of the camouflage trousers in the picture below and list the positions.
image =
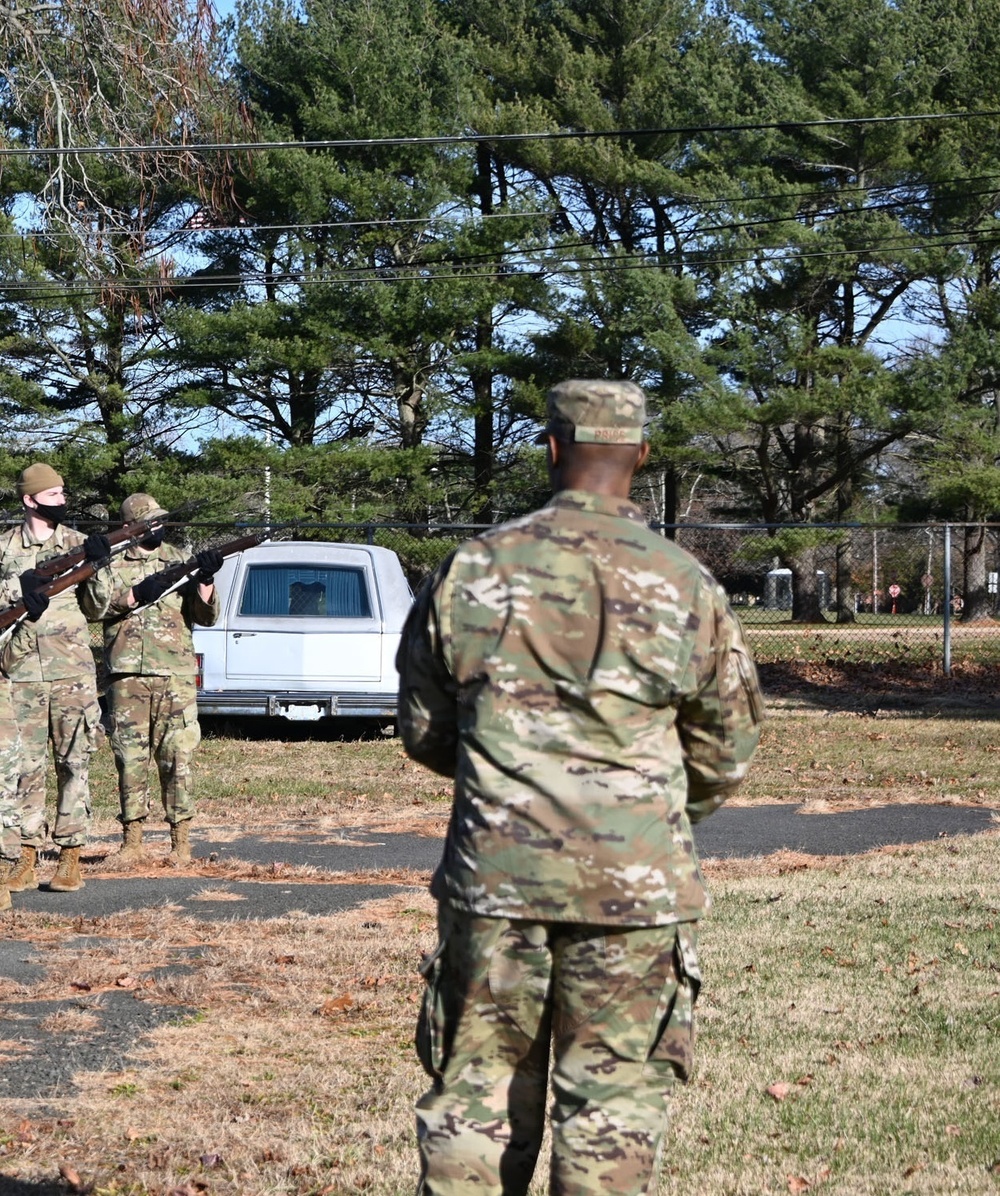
(10, 768)
(154, 719)
(67, 712)
(612, 1006)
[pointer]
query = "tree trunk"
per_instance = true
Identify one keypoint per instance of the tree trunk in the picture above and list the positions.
(806, 596)
(975, 598)
(845, 582)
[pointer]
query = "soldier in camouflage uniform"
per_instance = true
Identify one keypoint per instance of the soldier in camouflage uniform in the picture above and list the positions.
(10, 811)
(151, 667)
(53, 680)
(587, 686)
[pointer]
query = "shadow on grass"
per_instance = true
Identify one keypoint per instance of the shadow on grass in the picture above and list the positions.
(972, 691)
(327, 730)
(28, 1187)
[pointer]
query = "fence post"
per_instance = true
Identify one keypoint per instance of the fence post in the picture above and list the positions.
(947, 600)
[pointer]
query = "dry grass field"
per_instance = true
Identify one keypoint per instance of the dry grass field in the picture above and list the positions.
(849, 1023)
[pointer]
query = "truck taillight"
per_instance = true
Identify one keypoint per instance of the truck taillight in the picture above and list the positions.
(199, 658)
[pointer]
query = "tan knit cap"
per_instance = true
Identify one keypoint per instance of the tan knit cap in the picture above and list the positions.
(36, 478)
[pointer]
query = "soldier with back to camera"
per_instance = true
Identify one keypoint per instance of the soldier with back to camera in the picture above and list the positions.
(587, 686)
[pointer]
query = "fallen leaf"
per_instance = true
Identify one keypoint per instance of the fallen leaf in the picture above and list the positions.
(81, 986)
(127, 982)
(284, 959)
(71, 1176)
(798, 1183)
(961, 948)
(210, 1160)
(335, 1005)
(779, 1090)
(953, 1131)
(803, 1080)
(913, 1170)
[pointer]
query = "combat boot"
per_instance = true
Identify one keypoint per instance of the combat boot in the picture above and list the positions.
(67, 878)
(180, 844)
(23, 876)
(131, 849)
(5, 901)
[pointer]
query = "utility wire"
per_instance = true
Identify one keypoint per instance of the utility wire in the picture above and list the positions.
(918, 202)
(491, 138)
(453, 271)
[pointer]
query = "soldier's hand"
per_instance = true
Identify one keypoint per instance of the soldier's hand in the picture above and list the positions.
(150, 589)
(36, 603)
(209, 563)
(97, 549)
(30, 580)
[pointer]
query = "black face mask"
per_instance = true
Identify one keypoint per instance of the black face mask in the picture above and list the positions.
(154, 539)
(54, 513)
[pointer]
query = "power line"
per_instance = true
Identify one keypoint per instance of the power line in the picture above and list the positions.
(452, 271)
(490, 138)
(207, 229)
(915, 201)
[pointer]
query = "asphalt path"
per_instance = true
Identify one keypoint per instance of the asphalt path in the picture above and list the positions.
(47, 1062)
(732, 832)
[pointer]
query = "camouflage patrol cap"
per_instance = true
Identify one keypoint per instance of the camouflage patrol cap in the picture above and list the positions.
(595, 411)
(140, 506)
(36, 478)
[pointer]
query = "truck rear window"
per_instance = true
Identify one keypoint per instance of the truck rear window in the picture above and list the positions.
(306, 592)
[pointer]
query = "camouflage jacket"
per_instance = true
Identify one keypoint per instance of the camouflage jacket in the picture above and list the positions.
(57, 647)
(586, 684)
(153, 640)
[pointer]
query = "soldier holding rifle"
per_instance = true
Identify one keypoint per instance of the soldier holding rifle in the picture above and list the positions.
(151, 666)
(53, 681)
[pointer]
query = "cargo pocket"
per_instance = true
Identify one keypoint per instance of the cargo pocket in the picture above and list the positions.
(673, 1043)
(94, 726)
(430, 1036)
(749, 684)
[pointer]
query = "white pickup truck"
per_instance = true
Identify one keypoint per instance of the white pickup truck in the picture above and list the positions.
(308, 630)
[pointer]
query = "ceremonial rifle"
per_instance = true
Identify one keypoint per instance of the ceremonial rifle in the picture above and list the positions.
(176, 573)
(86, 569)
(124, 538)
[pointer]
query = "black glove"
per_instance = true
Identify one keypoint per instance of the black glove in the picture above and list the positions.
(30, 580)
(97, 549)
(36, 603)
(209, 563)
(150, 589)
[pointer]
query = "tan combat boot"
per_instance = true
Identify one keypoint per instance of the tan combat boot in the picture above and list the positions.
(23, 876)
(67, 878)
(131, 849)
(180, 844)
(5, 901)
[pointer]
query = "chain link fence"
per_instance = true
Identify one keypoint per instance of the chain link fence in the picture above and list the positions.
(923, 594)
(926, 595)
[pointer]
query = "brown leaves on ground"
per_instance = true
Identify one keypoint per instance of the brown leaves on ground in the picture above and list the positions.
(868, 686)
